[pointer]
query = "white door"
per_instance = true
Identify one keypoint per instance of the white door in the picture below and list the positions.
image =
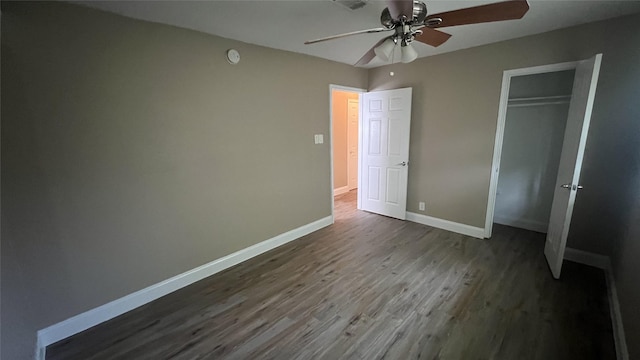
(575, 138)
(352, 143)
(386, 119)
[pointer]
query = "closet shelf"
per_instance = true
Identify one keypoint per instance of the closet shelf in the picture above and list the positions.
(539, 100)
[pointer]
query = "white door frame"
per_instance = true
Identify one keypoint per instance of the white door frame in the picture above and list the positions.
(340, 88)
(502, 118)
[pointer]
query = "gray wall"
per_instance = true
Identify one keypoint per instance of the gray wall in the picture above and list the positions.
(529, 165)
(546, 84)
(132, 152)
(615, 165)
(453, 130)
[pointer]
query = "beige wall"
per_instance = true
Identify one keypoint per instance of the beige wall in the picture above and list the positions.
(453, 131)
(340, 150)
(454, 116)
(132, 152)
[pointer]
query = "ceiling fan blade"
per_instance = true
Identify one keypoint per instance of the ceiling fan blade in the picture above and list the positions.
(366, 58)
(368, 31)
(432, 37)
(506, 10)
(398, 8)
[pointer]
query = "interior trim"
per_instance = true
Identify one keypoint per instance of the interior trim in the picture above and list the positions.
(93, 317)
(604, 262)
(446, 225)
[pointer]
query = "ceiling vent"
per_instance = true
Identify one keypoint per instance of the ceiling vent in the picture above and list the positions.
(352, 4)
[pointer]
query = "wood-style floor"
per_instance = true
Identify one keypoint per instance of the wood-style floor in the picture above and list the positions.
(372, 287)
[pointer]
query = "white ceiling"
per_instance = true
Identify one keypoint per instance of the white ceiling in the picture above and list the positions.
(287, 24)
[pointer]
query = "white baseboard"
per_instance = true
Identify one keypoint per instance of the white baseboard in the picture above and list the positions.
(586, 258)
(604, 263)
(340, 190)
(616, 316)
(526, 224)
(85, 320)
(446, 225)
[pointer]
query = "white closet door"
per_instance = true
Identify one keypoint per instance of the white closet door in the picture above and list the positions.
(575, 138)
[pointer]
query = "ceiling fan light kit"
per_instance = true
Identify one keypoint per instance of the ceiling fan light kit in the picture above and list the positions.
(386, 49)
(408, 54)
(410, 21)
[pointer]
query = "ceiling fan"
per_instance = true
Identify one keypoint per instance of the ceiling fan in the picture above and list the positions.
(409, 21)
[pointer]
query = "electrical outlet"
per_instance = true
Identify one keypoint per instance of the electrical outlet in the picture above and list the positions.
(421, 206)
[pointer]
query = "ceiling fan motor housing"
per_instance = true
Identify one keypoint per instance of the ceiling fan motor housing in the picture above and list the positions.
(419, 12)
(403, 25)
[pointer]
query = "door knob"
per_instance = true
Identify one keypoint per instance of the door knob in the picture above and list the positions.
(574, 187)
(404, 163)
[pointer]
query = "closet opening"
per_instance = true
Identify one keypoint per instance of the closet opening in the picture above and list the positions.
(534, 129)
(542, 129)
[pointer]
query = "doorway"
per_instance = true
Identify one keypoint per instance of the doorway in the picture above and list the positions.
(381, 147)
(505, 96)
(536, 118)
(572, 146)
(345, 124)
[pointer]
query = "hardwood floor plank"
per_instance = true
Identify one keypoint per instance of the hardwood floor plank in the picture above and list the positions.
(372, 287)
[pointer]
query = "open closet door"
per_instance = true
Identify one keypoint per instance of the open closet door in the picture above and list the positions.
(386, 119)
(575, 138)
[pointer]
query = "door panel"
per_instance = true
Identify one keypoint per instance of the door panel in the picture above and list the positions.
(395, 136)
(386, 119)
(393, 184)
(575, 138)
(374, 184)
(374, 136)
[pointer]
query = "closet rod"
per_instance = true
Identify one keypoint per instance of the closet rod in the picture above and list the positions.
(539, 103)
(539, 100)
